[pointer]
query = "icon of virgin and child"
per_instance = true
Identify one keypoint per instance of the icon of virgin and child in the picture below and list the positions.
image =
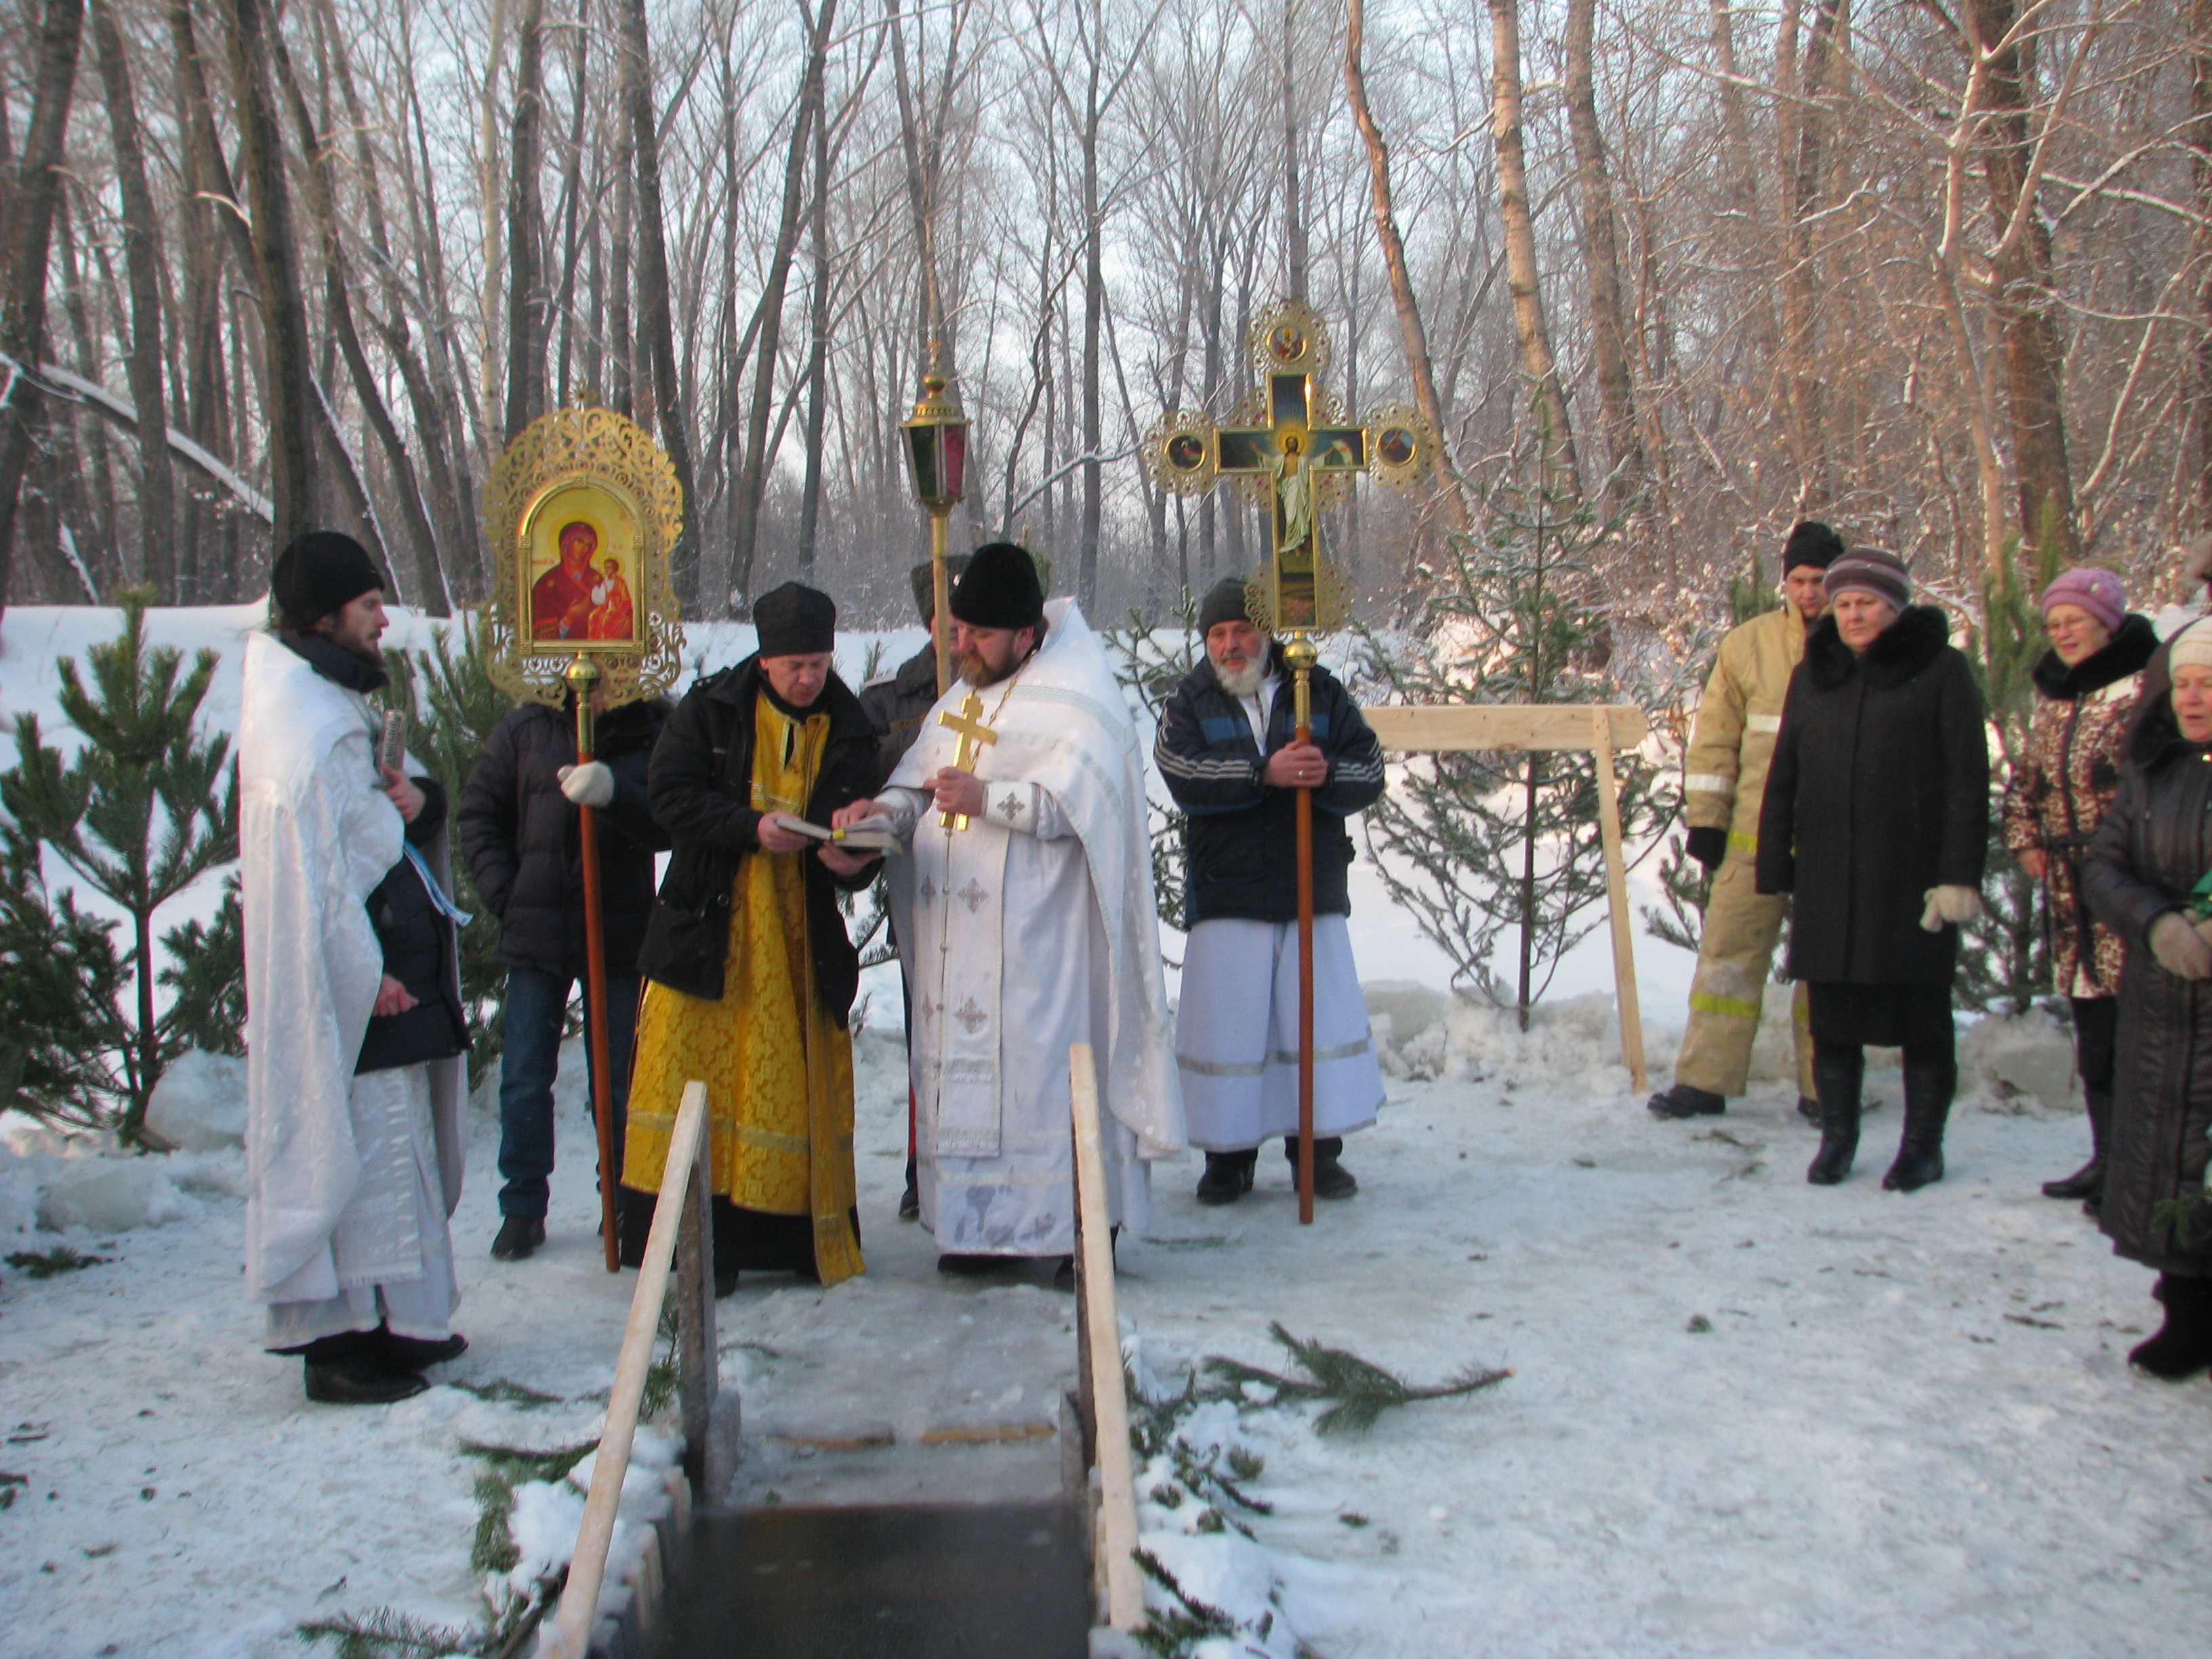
(583, 597)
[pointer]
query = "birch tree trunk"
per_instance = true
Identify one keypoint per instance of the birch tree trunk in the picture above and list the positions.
(288, 397)
(527, 300)
(1802, 132)
(655, 317)
(142, 249)
(1412, 335)
(31, 214)
(1560, 471)
(2197, 503)
(2026, 307)
(1601, 258)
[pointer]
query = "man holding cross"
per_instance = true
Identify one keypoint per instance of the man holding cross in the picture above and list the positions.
(1032, 926)
(1231, 760)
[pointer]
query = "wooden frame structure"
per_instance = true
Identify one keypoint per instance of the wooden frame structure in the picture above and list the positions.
(1601, 729)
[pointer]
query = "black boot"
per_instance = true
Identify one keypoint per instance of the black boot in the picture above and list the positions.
(1228, 1176)
(2183, 1347)
(1683, 1101)
(350, 1369)
(1839, 1081)
(1331, 1178)
(1809, 1108)
(1927, 1091)
(911, 1199)
(518, 1237)
(2088, 1183)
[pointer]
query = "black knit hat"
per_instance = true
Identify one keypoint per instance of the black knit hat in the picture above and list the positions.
(1226, 601)
(319, 573)
(795, 621)
(1000, 589)
(924, 583)
(1812, 543)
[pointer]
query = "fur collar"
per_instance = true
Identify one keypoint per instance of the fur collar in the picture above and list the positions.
(1899, 653)
(2123, 655)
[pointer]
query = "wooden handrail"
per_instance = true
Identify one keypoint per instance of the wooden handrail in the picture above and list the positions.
(1115, 1541)
(569, 1635)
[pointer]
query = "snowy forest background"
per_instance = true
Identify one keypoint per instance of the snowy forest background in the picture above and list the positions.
(1937, 271)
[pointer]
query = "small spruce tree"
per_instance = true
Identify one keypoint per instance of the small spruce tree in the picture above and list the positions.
(146, 807)
(1484, 848)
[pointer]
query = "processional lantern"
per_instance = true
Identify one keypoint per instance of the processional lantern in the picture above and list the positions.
(582, 511)
(937, 455)
(1291, 453)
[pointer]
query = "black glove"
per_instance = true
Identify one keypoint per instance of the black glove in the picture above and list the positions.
(1709, 846)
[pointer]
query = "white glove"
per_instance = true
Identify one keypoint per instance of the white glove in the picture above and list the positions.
(589, 785)
(1952, 905)
(2181, 950)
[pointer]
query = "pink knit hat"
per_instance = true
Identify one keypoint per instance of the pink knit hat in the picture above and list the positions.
(2098, 592)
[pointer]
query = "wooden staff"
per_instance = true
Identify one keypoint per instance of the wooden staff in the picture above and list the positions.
(1300, 654)
(583, 679)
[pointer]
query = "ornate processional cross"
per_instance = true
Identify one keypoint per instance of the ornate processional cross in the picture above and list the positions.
(968, 723)
(1291, 449)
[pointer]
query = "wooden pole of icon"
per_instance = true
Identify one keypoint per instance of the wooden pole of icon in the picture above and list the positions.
(583, 679)
(1291, 447)
(1299, 654)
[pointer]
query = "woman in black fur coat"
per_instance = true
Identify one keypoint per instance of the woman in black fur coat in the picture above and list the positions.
(1876, 818)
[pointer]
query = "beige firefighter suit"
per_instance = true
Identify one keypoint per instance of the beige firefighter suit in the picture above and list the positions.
(1725, 778)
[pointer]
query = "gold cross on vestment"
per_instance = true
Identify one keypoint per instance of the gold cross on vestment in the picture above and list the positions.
(968, 723)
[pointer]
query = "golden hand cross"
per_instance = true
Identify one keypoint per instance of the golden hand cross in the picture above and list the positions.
(968, 723)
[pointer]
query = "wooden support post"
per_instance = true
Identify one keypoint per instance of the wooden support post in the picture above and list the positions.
(1616, 892)
(1116, 1535)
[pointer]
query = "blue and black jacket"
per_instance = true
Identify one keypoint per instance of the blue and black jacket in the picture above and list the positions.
(1240, 842)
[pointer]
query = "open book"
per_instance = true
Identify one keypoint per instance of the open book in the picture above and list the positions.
(868, 836)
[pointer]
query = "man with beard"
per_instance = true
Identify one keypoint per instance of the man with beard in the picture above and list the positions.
(354, 1029)
(1724, 781)
(1228, 749)
(1032, 928)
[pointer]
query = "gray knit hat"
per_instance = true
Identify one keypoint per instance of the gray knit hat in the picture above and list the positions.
(1870, 570)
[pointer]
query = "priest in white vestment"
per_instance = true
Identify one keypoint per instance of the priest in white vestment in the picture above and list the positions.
(353, 1027)
(1032, 928)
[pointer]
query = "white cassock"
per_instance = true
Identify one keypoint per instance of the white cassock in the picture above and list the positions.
(1236, 1034)
(1031, 929)
(350, 1180)
(1237, 1025)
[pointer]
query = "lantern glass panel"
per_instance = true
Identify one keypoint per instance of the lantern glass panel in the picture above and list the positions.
(921, 455)
(953, 473)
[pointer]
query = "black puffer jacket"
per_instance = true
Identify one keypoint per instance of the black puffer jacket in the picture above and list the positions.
(2148, 852)
(1879, 790)
(896, 705)
(417, 941)
(1242, 841)
(702, 789)
(520, 836)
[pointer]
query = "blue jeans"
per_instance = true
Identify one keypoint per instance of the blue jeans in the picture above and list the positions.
(536, 1004)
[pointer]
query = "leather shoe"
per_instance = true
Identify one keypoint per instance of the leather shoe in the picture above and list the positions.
(2183, 1345)
(1809, 1108)
(412, 1353)
(359, 1379)
(1228, 1176)
(1683, 1101)
(519, 1236)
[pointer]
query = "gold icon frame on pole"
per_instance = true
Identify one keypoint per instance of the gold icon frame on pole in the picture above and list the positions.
(581, 490)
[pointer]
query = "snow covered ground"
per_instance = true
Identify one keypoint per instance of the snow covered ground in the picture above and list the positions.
(1910, 1428)
(1747, 1416)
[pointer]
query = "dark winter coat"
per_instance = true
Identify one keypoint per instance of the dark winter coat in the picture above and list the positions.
(1879, 791)
(2063, 785)
(896, 705)
(2150, 851)
(700, 786)
(520, 836)
(417, 941)
(1240, 842)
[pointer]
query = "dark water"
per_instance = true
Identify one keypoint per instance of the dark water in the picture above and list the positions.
(936, 1582)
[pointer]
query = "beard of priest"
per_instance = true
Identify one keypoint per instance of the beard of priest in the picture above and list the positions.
(1028, 926)
(750, 973)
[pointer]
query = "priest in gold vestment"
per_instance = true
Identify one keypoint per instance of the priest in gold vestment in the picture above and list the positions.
(750, 973)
